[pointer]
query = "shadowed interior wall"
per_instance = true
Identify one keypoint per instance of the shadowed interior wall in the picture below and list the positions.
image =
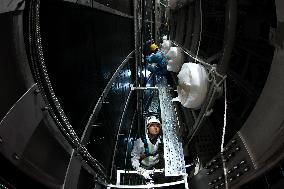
(13, 78)
(83, 47)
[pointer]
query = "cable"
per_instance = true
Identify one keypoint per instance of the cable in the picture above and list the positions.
(223, 135)
(191, 55)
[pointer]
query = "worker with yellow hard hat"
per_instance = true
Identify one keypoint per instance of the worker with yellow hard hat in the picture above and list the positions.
(157, 61)
(153, 47)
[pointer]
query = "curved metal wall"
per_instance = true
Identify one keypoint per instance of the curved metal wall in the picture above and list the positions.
(254, 127)
(111, 126)
(208, 30)
(27, 127)
(83, 47)
(15, 80)
(23, 120)
(88, 44)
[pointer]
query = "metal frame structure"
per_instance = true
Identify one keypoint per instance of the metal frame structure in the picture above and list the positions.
(55, 108)
(219, 70)
(119, 172)
(253, 156)
(78, 144)
(85, 136)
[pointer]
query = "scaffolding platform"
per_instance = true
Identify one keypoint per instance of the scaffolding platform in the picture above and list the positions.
(173, 151)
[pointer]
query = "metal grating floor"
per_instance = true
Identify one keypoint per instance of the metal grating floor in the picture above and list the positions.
(173, 151)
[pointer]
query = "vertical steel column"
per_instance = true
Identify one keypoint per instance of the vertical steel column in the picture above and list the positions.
(140, 25)
(136, 60)
(138, 72)
(229, 36)
(196, 28)
(167, 20)
(153, 19)
(157, 19)
(135, 42)
(189, 26)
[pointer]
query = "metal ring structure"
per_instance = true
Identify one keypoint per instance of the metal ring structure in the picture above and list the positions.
(40, 72)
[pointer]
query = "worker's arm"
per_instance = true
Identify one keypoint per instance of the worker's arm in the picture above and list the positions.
(149, 59)
(136, 153)
(163, 61)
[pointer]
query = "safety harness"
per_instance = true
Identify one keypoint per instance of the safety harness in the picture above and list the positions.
(146, 147)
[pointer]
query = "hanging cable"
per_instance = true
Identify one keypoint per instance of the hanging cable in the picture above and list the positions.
(212, 76)
(223, 136)
(200, 32)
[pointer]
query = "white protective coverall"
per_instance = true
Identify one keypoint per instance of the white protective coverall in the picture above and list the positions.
(139, 150)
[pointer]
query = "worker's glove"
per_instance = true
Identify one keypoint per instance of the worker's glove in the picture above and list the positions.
(144, 173)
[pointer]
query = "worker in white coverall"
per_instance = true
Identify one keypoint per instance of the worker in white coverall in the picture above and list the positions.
(147, 150)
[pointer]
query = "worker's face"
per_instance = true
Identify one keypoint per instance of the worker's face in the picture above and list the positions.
(154, 128)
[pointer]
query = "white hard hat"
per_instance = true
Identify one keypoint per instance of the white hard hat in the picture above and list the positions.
(152, 119)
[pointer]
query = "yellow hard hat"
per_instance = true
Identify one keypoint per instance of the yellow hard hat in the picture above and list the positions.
(153, 47)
